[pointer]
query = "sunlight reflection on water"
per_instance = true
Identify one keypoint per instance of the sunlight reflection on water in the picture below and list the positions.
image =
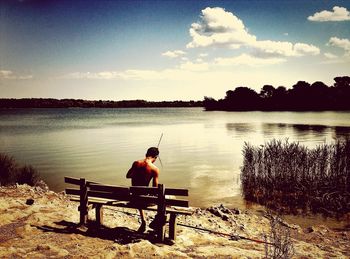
(200, 150)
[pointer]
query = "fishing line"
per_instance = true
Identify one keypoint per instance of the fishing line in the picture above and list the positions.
(160, 139)
(231, 236)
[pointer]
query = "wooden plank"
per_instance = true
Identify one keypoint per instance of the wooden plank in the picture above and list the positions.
(99, 214)
(109, 195)
(161, 215)
(83, 202)
(134, 206)
(72, 191)
(144, 190)
(176, 202)
(90, 182)
(176, 192)
(72, 180)
(172, 226)
(143, 199)
(109, 188)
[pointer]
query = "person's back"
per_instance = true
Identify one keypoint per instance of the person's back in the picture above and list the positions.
(141, 173)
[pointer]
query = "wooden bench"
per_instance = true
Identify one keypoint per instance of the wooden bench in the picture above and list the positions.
(95, 195)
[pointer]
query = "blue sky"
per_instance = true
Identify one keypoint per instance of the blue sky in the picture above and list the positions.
(168, 50)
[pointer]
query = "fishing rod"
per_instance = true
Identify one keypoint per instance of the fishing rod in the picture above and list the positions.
(160, 139)
(234, 237)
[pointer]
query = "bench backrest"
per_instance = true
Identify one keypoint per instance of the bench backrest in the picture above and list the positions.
(141, 194)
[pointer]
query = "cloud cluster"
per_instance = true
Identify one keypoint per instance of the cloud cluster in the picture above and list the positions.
(245, 59)
(199, 66)
(174, 54)
(337, 15)
(10, 75)
(132, 74)
(219, 27)
(341, 43)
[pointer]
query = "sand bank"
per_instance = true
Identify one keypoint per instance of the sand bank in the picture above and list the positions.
(47, 229)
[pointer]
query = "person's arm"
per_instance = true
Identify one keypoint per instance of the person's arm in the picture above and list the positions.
(155, 177)
(131, 170)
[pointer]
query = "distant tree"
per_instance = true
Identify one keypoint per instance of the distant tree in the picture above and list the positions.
(210, 103)
(242, 98)
(341, 92)
(299, 96)
(342, 81)
(301, 86)
(302, 96)
(267, 91)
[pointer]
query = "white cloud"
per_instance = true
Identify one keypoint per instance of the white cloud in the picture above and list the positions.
(248, 60)
(302, 49)
(218, 27)
(338, 14)
(174, 54)
(8, 74)
(203, 55)
(190, 66)
(340, 43)
(330, 55)
(132, 74)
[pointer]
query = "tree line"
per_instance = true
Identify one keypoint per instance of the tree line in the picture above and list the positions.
(303, 96)
(79, 103)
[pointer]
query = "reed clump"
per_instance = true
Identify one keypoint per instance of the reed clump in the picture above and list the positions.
(11, 173)
(291, 178)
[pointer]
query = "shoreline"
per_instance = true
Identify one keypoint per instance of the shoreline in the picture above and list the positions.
(47, 228)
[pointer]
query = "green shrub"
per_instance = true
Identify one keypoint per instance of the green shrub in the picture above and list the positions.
(11, 173)
(28, 175)
(8, 168)
(292, 178)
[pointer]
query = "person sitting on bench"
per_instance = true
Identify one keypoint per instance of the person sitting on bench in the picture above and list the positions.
(141, 173)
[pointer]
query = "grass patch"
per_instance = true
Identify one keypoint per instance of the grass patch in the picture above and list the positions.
(11, 173)
(291, 178)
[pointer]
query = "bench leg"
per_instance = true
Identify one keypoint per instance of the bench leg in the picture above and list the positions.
(83, 215)
(99, 214)
(172, 226)
(83, 208)
(161, 228)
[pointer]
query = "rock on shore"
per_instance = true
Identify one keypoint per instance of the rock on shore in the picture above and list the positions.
(38, 223)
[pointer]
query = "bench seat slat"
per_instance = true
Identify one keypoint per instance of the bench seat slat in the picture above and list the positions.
(109, 188)
(143, 190)
(73, 191)
(110, 195)
(124, 204)
(176, 192)
(72, 180)
(176, 202)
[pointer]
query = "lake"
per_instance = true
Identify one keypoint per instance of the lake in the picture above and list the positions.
(201, 151)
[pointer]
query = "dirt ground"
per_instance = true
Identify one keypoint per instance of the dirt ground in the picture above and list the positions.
(48, 228)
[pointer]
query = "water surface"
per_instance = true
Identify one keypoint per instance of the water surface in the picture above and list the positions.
(201, 151)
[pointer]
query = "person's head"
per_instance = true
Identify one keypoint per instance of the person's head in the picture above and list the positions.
(152, 152)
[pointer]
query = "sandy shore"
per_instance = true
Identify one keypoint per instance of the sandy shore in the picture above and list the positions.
(47, 229)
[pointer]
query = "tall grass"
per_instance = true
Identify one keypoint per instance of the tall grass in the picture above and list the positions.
(293, 178)
(11, 172)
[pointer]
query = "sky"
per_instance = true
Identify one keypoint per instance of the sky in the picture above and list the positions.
(168, 50)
